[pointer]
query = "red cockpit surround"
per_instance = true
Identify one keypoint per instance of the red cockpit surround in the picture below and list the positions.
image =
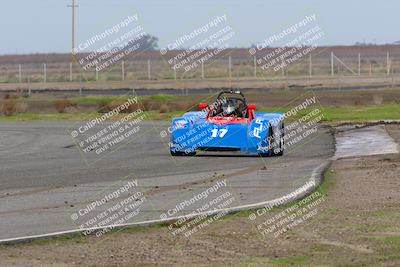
(227, 120)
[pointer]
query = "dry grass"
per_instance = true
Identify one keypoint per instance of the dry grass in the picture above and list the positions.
(62, 104)
(164, 108)
(8, 107)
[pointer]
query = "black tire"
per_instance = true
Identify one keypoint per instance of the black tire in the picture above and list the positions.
(281, 141)
(271, 137)
(270, 152)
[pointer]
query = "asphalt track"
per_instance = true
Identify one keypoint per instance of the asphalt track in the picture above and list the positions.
(46, 182)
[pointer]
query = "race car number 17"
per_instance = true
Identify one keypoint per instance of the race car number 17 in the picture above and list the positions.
(218, 132)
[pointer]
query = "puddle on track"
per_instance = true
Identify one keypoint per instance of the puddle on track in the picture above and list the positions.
(372, 140)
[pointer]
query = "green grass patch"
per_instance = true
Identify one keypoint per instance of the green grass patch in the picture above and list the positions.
(332, 114)
(351, 113)
(76, 238)
(79, 238)
(328, 183)
(161, 98)
(385, 214)
(82, 116)
(49, 117)
(249, 261)
(96, 100)
(390, 239)
(363, 113)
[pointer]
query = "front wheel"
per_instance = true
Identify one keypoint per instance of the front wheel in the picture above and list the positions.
(275, 142)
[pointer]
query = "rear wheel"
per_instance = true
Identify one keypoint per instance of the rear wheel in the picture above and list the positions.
(281, 140)
(276, 142)
(270, 141)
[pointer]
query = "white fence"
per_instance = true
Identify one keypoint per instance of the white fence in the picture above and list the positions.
(227, 67)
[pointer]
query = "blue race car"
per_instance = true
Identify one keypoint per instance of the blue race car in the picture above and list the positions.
(228, 124)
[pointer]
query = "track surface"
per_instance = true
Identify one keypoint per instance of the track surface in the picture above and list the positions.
(44, 179)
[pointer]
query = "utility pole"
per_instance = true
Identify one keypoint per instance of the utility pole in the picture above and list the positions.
(19, 73)
(73, 6)
(230, 67)
(123, 70)
(202, 70)
(174, 73)
(255, 67)
(148, 69)
(44, 73)
(70, 71)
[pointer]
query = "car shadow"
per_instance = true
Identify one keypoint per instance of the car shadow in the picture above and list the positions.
(227, 156)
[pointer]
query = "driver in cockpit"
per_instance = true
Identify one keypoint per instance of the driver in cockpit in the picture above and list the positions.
(232, 108)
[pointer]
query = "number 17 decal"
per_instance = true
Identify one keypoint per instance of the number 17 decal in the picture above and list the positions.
(218, 132)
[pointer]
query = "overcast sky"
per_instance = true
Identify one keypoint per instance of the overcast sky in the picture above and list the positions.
(29, 26)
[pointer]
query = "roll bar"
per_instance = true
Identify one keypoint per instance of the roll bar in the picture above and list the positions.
(233, 92)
